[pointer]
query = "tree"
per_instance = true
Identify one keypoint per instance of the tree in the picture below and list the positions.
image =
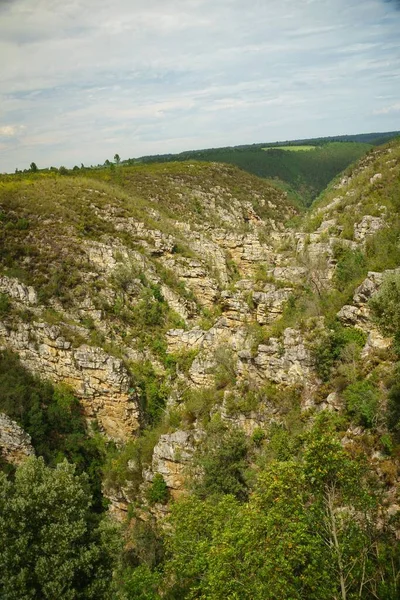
(117, 159)
(50, 546)
(308, 532)
(33, 167)
(223, 463)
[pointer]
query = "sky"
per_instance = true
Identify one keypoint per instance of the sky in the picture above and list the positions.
(82, 80)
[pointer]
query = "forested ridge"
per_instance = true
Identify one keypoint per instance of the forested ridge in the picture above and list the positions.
(208, 381)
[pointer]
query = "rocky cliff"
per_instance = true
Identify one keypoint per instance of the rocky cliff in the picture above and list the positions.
(203, 283)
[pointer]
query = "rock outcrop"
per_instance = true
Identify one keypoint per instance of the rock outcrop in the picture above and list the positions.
(15, 443)
(172, 457)
(99, 380)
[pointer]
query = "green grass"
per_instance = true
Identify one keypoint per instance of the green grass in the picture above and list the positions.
(290, 148)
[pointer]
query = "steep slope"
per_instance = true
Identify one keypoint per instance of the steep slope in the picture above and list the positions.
(94, 274)
(295, 338)
(304, 173)
(236, 364)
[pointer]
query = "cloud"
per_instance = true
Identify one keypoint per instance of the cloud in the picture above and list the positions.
(11, 130)
(85, 79)
(393, 108)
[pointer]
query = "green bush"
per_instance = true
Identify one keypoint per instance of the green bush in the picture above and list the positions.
(330, 348)
(223, 462)
(362, 401)
(139, 583)
(225, 373)
(258, 436)
(385, 305)
(281, 443)
(158, 491)
(51, 545)
(152, 390)
(5, 305)
(393, 410)
(351, 266)
(53, 418)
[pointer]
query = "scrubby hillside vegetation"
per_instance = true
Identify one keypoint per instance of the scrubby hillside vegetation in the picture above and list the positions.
(209, 380)
(304, 175)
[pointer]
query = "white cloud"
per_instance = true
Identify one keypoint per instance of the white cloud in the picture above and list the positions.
(386, 110)
(11, 130)
(87, 78)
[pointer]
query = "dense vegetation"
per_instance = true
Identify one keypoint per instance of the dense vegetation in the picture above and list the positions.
(306, 173)
(301, 509)
(53, 417)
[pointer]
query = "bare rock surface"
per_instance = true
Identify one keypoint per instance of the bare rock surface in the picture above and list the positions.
(15, 443)
(99, 380)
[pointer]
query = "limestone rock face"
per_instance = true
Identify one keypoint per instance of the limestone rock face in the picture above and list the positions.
(294, 274)
(359, 315)
(367, 227)
(196, 277)
(99, 380)
(15, 444)
(235, 307)
(287, 361)
(270, 303)
(171, 457)
(17, 290)
(245, 250)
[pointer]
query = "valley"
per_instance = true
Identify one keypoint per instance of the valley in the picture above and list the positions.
(215, 357)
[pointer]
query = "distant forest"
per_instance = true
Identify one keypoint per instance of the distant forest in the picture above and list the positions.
(303, 174)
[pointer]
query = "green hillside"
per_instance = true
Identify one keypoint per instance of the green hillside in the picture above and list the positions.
(303, 172)
(306, 173)
(209, 379)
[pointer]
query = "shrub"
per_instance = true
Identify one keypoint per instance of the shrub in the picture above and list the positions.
(362, 400)
(223, 461)
(158, 491)
(153, 392)
(393, 410)
(351, 266)
(258, 436)
(225, 373)
(330, 349)
(50, 544)
(5, 305)
(385, 305)
(53, 418)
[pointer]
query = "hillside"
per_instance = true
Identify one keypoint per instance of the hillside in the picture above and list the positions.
(212, 356)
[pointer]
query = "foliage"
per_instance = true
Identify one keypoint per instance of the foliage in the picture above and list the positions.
(158, 491)
(225, 373)
(307, 532)
(393, 408)
(351, 266)
(50, 547)
(5, 305)
(222, 460)
(152, 391)
(282, 444)
(307, 173)
(328, 351)
(385, 305)
(139, 583)
(53, 418)
(362, 400)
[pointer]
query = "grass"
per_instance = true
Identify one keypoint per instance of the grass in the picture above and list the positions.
(291, 148)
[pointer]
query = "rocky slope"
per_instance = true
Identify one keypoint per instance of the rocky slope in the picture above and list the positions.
(171, 295)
